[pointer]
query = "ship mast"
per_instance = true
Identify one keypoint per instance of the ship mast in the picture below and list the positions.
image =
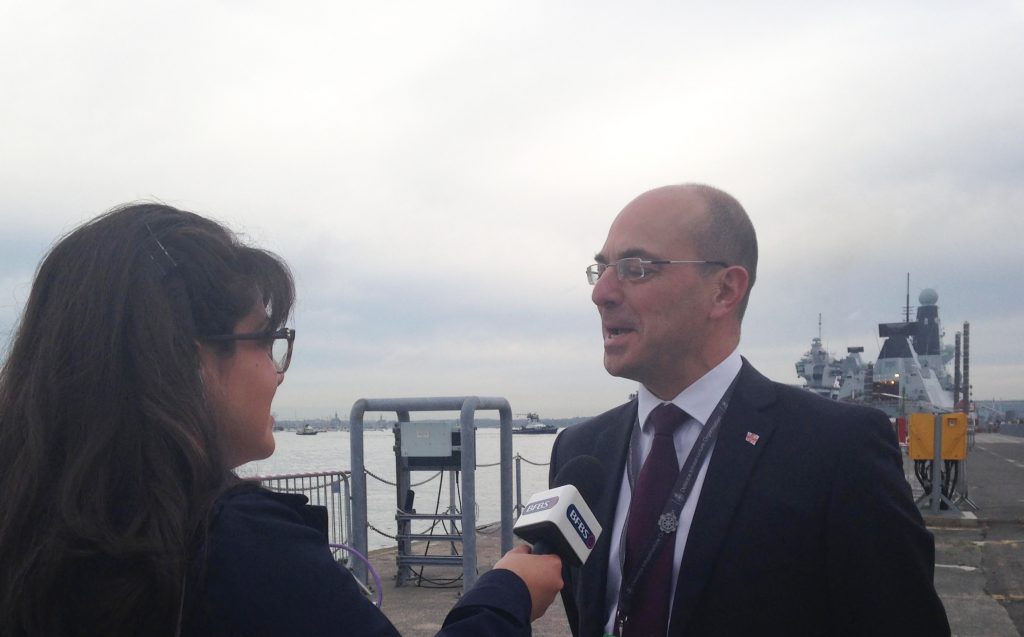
(906, 308)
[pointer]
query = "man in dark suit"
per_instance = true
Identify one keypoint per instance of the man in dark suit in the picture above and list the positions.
(796, 521)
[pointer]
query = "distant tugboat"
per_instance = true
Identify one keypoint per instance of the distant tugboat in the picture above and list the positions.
(533, 425)
(307, 430)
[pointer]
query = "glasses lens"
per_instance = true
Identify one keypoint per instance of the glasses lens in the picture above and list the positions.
(594, 273)
(280, 353)
(630, 269)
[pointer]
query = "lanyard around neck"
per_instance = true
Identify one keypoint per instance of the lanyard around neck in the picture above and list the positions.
(668, 521)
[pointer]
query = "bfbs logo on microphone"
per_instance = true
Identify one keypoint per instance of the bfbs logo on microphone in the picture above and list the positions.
(540, 505)
(581, 526)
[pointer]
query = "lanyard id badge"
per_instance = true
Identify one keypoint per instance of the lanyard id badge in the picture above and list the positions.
(668, 521)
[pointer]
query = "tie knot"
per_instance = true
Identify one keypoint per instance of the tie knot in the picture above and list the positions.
(665, 418)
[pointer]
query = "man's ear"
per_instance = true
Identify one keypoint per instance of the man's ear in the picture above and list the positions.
(730, 292)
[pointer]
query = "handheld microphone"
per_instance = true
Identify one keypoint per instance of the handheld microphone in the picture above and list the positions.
(559, 520)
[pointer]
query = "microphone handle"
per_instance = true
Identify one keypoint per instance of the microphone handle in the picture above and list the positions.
(543, 547)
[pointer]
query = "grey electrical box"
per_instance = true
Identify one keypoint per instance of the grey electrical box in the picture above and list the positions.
(430, 445)
(426, 439)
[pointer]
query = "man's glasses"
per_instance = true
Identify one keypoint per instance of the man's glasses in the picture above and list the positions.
(278, 344)
(635, 268)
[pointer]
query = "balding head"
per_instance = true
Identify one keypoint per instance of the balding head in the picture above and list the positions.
(708, 220)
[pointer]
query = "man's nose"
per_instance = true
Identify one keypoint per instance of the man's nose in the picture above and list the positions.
(608, 289)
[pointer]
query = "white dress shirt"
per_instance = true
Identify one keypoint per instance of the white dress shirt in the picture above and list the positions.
(699, 401)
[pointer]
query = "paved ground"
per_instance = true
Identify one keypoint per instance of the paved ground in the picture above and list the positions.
(979, 558)
(980, 571)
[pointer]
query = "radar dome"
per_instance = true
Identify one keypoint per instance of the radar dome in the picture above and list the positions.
(928, 297)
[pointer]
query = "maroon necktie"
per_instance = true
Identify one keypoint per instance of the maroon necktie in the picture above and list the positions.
(648, 615)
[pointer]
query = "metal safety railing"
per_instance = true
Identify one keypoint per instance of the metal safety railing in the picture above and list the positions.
(467, 406)
(329, 489)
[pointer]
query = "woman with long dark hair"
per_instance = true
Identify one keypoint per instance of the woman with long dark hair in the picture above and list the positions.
(141, 374)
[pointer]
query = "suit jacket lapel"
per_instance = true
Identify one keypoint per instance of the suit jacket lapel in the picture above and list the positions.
(729, 469)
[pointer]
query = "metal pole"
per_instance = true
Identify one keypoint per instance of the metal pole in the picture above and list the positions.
(957, 380)
(967, 368)
(452, 505)
(347, 504)
(355, 439)
(519, 485)
(403, 482)
(468, 492)
(505, 412)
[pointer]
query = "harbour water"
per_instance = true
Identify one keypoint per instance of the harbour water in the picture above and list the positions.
(330, 451)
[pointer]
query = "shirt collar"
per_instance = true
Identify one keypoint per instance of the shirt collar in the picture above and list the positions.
(700, 398)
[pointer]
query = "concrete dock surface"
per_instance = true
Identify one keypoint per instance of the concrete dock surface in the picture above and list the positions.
(979, 570)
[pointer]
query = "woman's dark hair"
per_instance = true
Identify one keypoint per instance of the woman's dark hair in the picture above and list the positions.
(109, 452)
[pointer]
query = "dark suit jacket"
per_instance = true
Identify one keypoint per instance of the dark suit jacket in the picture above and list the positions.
(810, 531)
(266, 571)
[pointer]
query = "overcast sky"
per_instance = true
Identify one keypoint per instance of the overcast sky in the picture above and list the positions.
(439, 175)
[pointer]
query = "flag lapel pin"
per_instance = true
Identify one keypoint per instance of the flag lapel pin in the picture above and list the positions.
(752, 438)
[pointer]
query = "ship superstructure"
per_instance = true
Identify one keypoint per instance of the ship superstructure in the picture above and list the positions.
(909, 375)
(821, 373)
(912, 361)
(910, 382)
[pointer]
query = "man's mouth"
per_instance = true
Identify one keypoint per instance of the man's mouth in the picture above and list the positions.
(614, 332)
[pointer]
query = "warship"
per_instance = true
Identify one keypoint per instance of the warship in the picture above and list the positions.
(910, 374)
(909, 378)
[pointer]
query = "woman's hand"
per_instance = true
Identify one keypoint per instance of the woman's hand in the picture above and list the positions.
(541, 573)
